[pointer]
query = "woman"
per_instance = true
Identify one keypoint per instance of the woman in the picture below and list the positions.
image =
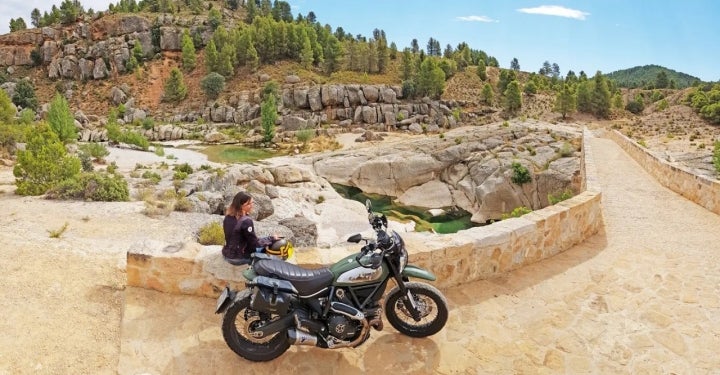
(240, 237)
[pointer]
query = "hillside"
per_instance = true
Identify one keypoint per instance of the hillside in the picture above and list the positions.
(642, 76)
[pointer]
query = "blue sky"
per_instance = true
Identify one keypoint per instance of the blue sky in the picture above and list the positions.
(581, 35)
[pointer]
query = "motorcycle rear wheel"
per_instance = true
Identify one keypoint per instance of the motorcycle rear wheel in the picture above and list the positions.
(431, 303)
(237, 324)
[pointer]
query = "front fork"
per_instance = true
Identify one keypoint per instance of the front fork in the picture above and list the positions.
(402, 278)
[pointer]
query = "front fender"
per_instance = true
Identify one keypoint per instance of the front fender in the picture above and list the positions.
(417, 272)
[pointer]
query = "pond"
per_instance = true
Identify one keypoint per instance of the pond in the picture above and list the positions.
(450, 222)
(237, 154)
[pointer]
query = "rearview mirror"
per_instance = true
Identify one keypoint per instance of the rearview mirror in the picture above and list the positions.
(355, 238)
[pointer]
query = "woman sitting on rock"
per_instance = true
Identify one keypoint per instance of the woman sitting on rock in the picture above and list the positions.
(240, 237)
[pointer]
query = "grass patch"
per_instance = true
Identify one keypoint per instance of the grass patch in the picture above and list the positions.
(236, 154)
(211, 234)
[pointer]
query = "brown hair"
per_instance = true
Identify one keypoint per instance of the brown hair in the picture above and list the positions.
(234, 209)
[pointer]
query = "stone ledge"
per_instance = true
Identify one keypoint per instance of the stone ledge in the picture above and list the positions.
(469, 255)
(699, 189)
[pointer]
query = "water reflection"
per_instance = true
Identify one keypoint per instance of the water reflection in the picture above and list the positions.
(453, 220)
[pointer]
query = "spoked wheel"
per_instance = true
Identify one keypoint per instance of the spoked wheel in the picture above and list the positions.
(239, 330)
(429, 302)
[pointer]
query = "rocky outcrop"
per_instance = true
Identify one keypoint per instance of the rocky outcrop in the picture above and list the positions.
(470, 168)
(97, 49)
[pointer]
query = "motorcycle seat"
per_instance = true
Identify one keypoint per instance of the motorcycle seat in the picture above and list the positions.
(306, 281)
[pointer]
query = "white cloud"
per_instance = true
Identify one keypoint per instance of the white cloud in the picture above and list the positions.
(477, 19)
(555, 10)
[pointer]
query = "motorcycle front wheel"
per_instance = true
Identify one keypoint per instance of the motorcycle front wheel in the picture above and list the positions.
(239, 323)
(431, 304)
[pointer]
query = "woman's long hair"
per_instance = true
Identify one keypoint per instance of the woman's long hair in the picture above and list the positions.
(235, 208)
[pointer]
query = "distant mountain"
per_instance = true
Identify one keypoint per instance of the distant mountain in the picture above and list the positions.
(643, 76)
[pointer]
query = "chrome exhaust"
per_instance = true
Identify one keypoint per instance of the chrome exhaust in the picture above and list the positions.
(296, 337)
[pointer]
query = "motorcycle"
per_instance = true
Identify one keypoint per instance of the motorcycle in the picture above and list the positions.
(335, 307)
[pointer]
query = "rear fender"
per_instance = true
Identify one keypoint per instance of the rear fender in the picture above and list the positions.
(417, 272)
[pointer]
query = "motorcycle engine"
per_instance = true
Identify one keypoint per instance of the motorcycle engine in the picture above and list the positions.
(342, 327)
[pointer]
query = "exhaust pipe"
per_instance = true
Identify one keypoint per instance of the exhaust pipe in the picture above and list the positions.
(296, 337)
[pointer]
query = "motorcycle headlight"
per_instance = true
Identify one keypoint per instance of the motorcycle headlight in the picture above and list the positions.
(402, 252)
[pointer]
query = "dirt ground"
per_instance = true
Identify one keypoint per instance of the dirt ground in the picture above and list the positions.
(62, 298)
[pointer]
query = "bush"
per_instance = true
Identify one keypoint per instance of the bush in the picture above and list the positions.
(43, 164)
(211, 234)
(27, 116)
(97, 151)
(521, 175)
(152, 176)
(305, 135)
(7, 109)
(560, 196)
(25, 95)
(95, 186)
(185, 167)
(517, 212)
(213, 84)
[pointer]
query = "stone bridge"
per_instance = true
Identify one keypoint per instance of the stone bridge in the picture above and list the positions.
(640, 296)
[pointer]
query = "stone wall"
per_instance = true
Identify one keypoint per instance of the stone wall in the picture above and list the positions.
(469, 255)
(699, 189)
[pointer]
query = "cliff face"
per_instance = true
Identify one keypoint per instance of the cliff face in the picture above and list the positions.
(97, 49)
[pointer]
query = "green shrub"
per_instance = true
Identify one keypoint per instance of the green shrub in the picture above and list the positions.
(159, 150)
(305, 135)
(183, 205)
(7, 109)
(112, 168)
(184, 167)
(94, 186)
(152, 176)
(86, 162)
(558, 197)
(521, 175)
(43, 164)
(25, 95)
(213, 84)
(211, 234)
(148, 123)
(97, 151)
(179, 176)
(517, 212)
(27, 116)
(61, 120)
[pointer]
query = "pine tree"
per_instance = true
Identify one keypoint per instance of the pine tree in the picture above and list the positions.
(61, 120)
(487, 93)
(513, 97)
(211, 56)
(482, 70)
(408, 66)
(583, 97)
(565, 101)
(268, 115)
(43, 164)
(175, 89)
(7, 109)
(35, 17)
(189, 58)
(600, 98)
(431, 79)
(225, 61)
(515, 64)
(306, 55)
